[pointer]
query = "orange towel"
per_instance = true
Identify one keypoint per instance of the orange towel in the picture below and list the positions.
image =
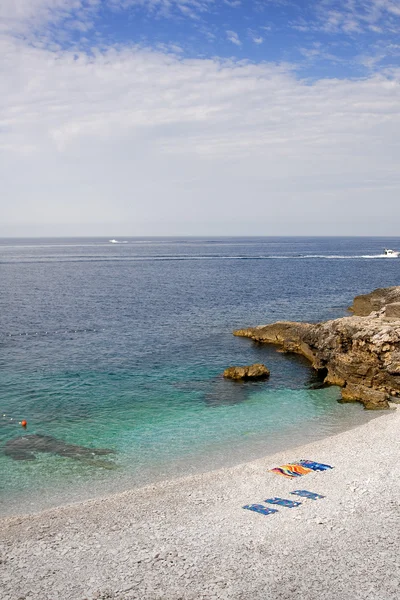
(291, 470)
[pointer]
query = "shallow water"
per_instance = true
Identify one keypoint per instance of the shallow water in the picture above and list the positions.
(122, 346)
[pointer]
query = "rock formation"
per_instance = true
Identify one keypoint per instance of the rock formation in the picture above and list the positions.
(387, 298)
(256, 371)
(360, 353)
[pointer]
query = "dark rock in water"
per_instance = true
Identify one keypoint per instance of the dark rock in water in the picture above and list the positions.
(221, 392)
(25, 447)
(256, 371)
(361, 354)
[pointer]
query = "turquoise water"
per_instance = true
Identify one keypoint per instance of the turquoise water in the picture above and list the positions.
(154, 442)
(123, 348)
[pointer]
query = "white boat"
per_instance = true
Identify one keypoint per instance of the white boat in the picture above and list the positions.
(113, 241)
(391, 253)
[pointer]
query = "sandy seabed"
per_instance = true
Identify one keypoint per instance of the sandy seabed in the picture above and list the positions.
(190, 539)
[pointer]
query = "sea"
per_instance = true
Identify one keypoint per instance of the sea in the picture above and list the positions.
(121, 343)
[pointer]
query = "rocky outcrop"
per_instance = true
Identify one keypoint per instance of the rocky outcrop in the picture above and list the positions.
(361, 354)
(256, 371)
(382, 298)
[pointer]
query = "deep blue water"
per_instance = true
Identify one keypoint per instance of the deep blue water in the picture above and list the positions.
(122, 346)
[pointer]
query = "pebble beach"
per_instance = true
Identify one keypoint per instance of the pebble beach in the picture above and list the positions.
(200, 300)
(190, 539)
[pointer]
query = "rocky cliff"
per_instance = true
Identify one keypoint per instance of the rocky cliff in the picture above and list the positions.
(360, 353)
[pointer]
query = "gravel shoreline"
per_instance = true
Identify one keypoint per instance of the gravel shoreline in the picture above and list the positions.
(190, 539)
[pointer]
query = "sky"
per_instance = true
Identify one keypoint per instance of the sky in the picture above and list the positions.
(199, 117)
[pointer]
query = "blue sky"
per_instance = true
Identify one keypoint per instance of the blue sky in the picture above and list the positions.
(320, 37)
(157, 116)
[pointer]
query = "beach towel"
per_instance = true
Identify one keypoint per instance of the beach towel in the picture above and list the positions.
(315, 466)
(306, 494)
(291, 470)
(259, 508)
(283, 502)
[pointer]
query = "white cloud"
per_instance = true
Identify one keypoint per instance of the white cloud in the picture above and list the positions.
(29, 16)
(233, 37)
(18, 16)
(370, 62)
(356, 16)
(190, 8)
(145, 142)
(348, 16)
(351, 17)
(379, 53)
(255, 37)
(314, 52)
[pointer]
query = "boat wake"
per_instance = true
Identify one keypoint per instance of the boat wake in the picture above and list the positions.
(191, 257)
(395, 255)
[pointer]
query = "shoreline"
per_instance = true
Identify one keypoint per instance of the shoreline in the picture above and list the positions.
(189, 538)
(25, 505)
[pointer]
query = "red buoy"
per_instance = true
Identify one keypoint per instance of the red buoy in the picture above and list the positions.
(24, 423)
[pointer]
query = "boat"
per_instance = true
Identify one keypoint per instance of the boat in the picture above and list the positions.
(391, 253)
(113, 241)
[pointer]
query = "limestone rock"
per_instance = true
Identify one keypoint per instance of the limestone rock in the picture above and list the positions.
(256, 371)
(372, 399)
(364, 304)
(359, 353)
(392, 310)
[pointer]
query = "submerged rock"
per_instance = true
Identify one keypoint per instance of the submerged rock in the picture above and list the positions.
(361, 354)
(256, 371)
(221, 392)
(25, 447)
